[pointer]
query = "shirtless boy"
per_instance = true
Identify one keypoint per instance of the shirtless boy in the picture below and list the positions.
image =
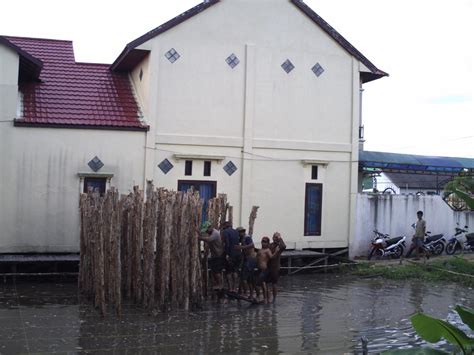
(274, 264)
(264, 255)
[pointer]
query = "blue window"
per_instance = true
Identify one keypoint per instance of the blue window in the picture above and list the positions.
(207, 190)
(313, 209)
(96, 184)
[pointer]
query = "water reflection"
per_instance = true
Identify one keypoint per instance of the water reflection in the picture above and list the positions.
(314, 314)
(417, 291)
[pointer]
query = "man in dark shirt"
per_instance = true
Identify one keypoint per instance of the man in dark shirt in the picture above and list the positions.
(233, 255)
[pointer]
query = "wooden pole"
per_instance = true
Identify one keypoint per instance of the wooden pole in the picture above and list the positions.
(126, 245)
(115, 253)
(137, 272)
(149, 236)
(252, 217)
(174, 250)
(231, 214)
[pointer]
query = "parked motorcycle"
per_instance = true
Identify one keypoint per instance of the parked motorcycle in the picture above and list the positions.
(383, 246)
(461, 241)
(432, 244)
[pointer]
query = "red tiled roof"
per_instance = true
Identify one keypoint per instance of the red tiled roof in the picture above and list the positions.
(75, 95)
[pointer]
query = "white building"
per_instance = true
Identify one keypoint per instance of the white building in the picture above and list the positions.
(259, 99)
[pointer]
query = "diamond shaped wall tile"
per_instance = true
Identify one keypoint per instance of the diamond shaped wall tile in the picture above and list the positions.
(317, 69)
(230, 168)
(287, 66)
(165, 166)
(95, 164)
(172, 55)
(232, 60)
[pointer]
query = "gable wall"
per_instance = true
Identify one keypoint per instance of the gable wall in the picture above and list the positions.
(9, 65)
(199, 105)
(142, 85)
(200, 91)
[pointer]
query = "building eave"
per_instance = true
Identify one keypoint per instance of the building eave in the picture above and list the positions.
(326, 27)
(122, 63)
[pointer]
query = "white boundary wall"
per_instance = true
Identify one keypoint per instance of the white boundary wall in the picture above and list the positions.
(394, 214)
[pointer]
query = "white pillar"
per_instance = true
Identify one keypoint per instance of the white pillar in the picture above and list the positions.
(247, 148)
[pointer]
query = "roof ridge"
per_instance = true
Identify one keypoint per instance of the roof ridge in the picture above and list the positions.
(333, 33)
(39, 38)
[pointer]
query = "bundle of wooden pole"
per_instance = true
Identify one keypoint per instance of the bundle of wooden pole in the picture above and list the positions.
(144, 251)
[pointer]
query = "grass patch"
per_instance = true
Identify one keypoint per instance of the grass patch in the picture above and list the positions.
(434, 271)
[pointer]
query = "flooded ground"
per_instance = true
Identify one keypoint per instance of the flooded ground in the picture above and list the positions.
(314, 314)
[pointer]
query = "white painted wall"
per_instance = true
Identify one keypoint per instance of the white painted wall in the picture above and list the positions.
(265, 120)
(142, 83)
(40, 183)
(394, 214)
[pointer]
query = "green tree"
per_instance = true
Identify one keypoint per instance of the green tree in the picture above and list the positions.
(463, 188)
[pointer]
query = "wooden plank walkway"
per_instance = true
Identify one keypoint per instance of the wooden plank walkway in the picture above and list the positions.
(293, 261)
(309, 260)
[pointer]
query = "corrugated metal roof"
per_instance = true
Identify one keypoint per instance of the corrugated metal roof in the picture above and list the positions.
(415, 163)
(74, 95)
(418, 181)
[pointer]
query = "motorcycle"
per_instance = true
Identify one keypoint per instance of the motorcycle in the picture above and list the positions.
(432, 245)
(383, 245)
(461, 241)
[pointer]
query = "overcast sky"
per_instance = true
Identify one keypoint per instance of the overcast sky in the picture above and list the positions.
(424, 107)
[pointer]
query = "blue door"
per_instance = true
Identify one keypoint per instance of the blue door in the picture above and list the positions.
(313, 209)
(207, 190)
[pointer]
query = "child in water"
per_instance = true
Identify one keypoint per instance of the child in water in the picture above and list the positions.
(264, 255)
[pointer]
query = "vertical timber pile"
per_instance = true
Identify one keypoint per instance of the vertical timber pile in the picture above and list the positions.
(252, 217)
(149, 236)
(196, 287)
(137, 245)
(125, 245)
(144, 251)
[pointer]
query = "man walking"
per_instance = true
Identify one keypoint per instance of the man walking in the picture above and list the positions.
(418, 237)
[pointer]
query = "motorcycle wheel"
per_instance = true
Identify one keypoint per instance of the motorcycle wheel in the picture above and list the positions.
(451, 248)
(397, 252)
(438, 248)
(378, 254)
(371, 254)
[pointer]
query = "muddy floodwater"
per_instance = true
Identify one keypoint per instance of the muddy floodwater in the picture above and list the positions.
(317, 314)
